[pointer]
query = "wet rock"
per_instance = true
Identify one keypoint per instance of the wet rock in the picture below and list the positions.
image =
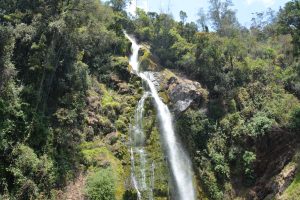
(155, 78)
(183, 105)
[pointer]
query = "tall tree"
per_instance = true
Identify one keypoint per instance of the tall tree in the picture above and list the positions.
(183, 16)
(118, 5)
(289, 22)
(223, 18)
(202, 20)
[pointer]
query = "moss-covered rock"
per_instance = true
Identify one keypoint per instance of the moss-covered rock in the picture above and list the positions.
(147, 60)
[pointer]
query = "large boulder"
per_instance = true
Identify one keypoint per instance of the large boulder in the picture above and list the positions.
(183, 93)
(180, 93)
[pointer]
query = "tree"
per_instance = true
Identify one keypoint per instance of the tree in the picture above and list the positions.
(118, 5)
(202, 20)
(289, 22)
(262, 25)
(183, 16)
(7, 70)
(223, 19)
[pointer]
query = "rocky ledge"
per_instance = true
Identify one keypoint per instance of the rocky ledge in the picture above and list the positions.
(180, 93)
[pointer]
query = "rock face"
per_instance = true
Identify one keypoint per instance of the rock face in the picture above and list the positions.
(181, 93)
(283, 180)
(274, 168)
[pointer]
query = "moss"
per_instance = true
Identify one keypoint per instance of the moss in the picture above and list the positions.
(155, 156)
(164, 97)
(121, 125)
(97, 155)
(155, 151)
(161, 171)
(146, 61)
(108, 98)
(166, 75)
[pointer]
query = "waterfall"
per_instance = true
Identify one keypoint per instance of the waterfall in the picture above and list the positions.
(180, 164)
(138, 177)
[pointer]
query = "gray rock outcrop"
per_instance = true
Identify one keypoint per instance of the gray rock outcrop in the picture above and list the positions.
(180, 93)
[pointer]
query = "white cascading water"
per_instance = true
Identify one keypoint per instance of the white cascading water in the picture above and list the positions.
(179, 162)
(138, 177)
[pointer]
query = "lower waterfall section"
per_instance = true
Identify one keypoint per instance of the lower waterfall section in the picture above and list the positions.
(149, 173)
(138, 155)
(179, 165)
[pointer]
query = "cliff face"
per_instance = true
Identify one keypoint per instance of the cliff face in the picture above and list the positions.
(274, 167)
(175, 89)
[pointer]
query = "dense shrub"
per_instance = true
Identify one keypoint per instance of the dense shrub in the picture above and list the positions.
(101, 185)
(295, 122)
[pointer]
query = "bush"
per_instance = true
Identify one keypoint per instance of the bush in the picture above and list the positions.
(101, 185)
(248, 161)
(260, 124)
(296, 119)
(210, 183)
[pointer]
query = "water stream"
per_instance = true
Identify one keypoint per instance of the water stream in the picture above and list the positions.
(179, 163)
(137, 150)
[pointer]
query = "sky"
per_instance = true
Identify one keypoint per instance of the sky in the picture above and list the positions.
(244, 8)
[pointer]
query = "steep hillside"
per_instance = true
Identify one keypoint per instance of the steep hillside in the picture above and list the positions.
(69, 103)
(244, 138)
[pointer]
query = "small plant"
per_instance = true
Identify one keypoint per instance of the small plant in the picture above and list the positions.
(101, 185)
(249, 159)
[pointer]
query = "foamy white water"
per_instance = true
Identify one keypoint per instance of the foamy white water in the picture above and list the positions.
(138, 175)
(133, 177)
(179, 162)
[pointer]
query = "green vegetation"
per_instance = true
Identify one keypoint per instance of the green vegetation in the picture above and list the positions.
(101, 185)
(292, 192)
(63, 70)
(100, 158)
(67, 97)
(252, 76)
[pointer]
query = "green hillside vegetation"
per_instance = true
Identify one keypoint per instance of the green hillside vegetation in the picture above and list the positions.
(252, 76)
(67, 97)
